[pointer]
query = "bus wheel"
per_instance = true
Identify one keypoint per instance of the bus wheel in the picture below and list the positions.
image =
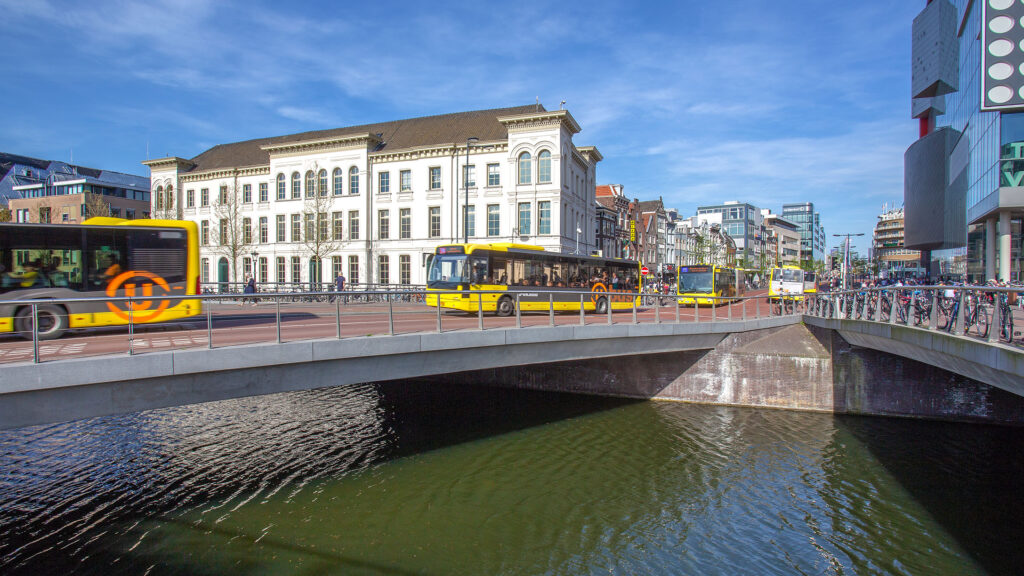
(505, 307)
(601, 307)
(53, 322)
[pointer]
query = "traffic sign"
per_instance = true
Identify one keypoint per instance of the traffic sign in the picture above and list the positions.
(645, 270)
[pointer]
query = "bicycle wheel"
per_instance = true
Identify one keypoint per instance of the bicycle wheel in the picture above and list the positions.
(981, 321)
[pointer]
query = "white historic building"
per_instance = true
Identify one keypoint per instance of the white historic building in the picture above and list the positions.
(373, 201)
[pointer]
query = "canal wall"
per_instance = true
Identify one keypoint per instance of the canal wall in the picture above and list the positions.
(797, 367)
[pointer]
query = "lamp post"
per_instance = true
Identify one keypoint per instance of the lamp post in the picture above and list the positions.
(578, 231)
(846, 254)
(255, 254)
(465, 182)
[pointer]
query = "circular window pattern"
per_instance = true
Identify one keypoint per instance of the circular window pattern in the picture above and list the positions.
(1021, 91)
(1000, 71)
(1000, 24)
(1000, 94)
(1000, 48)
(999, 4)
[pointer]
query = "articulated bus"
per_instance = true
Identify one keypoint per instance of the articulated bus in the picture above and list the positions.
(459, 271)
(701, 284)
(786, 281)
(103, 257)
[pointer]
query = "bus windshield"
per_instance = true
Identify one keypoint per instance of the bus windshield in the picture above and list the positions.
(787, 275)
(695, 282)
(447, 270)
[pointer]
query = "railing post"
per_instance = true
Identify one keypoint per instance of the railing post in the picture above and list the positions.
(730, 301)
(551, 308)
(912, 312)
(714, 313)
(696, 310)
(479, 310)
(608, 305)
(960, 320)
(994, 329)
(757, 308)
(131, 329)
(277, 315)
(209, 327)
(583, 321)
(933, 318)
(676, 300)
(438, 294)
(337, 315)
(744, 304)
(391, 316)
(519, 316)
(657, 309)
(634, 312)
(878, 306)
(35, 333)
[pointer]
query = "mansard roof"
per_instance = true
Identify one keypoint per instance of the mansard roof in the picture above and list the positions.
(395, 135)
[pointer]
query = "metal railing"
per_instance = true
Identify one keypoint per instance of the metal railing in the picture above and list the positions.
(290, 316)
(989, 313)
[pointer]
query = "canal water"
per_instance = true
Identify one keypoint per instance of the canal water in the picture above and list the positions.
(426, 478)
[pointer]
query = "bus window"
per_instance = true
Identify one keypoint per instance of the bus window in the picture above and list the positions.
(499, 269)
(106, 257)
(42, 258)
(480, 273)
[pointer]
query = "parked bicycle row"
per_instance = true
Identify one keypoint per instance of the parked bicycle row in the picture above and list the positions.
(990, 312)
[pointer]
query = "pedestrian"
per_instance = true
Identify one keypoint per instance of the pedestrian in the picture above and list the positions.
(250, 288)
(339, 283)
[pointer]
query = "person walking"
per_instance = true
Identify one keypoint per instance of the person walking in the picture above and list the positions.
(250, 288)
(339, 283)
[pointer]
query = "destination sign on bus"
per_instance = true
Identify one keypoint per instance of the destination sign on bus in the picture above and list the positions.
(685, 269)
(450, 250)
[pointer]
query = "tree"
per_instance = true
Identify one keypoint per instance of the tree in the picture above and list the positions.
(319, 237)
(233, 239)
(95, 205)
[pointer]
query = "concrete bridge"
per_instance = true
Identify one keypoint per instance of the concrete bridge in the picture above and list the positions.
(794, 361)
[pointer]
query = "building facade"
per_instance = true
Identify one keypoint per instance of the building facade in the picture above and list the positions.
(52, 191)
(785, 239)
(744, 224)
(964, 176)
(372, 202)
(812, 233)
(888, 249)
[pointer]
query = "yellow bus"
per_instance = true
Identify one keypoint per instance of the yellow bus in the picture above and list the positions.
(786, 281)
(458, 272)
(702, 283)
(103, 257)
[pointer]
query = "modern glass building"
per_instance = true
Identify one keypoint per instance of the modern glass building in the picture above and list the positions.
(812, 233)
(964, 176)
(743, 222)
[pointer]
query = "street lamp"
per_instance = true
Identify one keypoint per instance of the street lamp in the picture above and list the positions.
(255, 254)
(465, 181)
(846, 254)
(578, 231)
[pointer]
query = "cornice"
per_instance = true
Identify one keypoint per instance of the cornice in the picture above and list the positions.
(539, 120)
(171, 162)
(591, 153)
(349, 141)
(434, 151)
(225, 173)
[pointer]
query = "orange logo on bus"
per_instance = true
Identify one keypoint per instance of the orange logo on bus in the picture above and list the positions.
(140, 311)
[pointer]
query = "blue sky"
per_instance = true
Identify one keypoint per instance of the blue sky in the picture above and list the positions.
(696, 102)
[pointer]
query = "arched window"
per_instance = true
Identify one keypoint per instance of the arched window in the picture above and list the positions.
(170, 197)
(296, 185)
(544, 167)
(310, 184)
(339, 182)
(525, 168)
(322, 182)
(159, 197)
(282, 187)
(353, 180)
